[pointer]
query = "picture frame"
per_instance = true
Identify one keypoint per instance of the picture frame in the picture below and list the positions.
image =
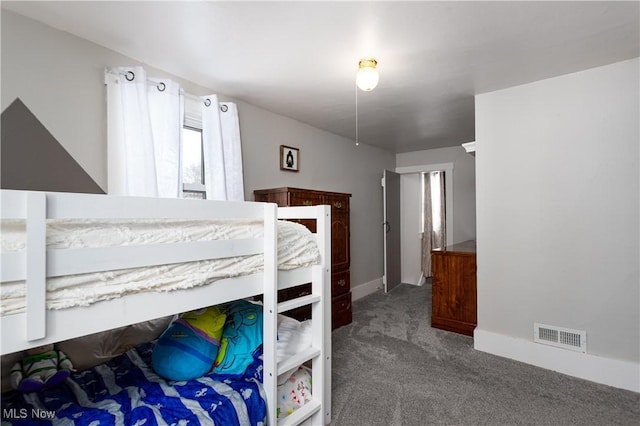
(289, 158)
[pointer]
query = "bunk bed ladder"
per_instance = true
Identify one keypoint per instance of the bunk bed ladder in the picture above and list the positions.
(318, 410)
(312, 410)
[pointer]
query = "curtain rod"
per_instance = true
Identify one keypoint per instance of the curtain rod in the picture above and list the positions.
(130, 75)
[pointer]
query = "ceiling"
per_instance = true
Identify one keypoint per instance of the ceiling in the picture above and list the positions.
(299, 59)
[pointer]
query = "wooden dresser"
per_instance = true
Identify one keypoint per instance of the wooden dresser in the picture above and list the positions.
(340, 246)
(454, 288)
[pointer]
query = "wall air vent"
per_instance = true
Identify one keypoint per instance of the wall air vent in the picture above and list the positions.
(575, 340)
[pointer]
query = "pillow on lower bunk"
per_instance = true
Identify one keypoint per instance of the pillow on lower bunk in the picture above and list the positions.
(294, 392)
(293, 337)
(241, 336)
(91, 350)
(94, 349)
(188, 348)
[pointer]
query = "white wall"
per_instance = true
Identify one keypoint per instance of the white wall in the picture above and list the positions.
(557, 220)
(60, 78)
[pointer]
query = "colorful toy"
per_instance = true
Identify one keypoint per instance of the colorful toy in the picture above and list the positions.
(42, 367)
(189, 346)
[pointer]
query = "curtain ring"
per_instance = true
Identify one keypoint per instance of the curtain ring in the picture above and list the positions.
(129, 74)
(207, 102)
(224, 108)
(161, 86)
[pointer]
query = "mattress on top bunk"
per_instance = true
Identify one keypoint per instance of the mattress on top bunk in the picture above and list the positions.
(297, 247)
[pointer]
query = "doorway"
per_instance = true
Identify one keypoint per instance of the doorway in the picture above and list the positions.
(411, 217)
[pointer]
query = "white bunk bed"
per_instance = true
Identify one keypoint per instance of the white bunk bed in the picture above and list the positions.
(38, 325)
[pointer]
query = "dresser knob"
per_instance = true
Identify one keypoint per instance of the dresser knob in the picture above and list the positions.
(342, 283)
(337, 205)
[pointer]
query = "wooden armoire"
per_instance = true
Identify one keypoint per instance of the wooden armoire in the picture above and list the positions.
(340, 246)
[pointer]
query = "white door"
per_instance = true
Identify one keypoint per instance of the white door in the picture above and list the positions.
(391, 229)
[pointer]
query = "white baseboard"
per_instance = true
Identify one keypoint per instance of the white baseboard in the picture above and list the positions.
(365, 289)
(607, 371)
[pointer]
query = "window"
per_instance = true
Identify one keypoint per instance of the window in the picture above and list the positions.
(437, 202)
(192, 163)
(192, 151)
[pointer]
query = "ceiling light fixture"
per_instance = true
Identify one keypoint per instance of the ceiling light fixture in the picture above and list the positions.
(366, 79)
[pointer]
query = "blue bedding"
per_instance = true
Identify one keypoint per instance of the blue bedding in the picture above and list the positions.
(126, 391)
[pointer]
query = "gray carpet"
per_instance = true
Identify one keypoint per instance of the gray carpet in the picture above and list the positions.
(391, 368)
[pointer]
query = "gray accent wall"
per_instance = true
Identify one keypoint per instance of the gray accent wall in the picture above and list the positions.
(61, 79)
(32, 159)
(558, 211)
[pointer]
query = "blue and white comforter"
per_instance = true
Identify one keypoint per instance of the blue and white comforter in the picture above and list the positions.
(126, 391)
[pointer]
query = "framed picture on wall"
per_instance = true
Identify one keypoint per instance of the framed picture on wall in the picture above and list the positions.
(289, 158)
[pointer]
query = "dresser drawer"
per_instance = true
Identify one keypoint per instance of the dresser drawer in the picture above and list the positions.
(339, 203)
(341, 311)
(340, 283)
(294, 292)
(305, 199)
(303, 312)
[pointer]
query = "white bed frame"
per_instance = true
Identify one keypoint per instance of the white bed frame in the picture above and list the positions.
(38, 326)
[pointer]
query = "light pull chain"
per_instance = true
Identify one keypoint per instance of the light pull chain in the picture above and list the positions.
(357, 141)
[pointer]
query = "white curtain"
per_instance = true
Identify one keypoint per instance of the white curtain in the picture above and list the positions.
(144, 129)
(222, 150)
(434, 226)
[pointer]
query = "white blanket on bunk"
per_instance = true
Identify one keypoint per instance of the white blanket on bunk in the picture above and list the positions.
(296, 248)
